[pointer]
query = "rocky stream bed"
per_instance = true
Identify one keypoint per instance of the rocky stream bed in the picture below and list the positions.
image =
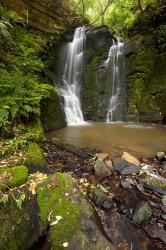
(83, 199)
(128, 195)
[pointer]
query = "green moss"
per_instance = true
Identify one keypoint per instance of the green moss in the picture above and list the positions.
(52, 199)
(67, 227)
(35, 160)
(19, 176)
(18, 227)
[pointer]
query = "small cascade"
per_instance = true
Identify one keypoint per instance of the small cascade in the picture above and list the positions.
(117, 101)
(72, 78)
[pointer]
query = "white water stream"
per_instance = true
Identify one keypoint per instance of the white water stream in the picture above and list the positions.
(72, 78)
(116, 62)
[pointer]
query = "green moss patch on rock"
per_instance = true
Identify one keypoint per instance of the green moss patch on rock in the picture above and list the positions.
(18, 227)
(13, 176)
(53, 200)
(36, 161)
(70, 216)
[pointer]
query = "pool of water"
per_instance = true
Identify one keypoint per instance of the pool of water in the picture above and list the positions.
(115, 138)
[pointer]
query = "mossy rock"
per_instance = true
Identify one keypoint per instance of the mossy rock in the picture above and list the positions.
(70, 147)
(52, 199)
(36, 161)
(13, 176)
(19, 227)
(58, 196)
(52, 115)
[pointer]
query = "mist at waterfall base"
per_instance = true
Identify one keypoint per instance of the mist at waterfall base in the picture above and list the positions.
(72, 79)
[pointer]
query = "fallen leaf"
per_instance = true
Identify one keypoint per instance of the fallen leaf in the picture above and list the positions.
(65, 244)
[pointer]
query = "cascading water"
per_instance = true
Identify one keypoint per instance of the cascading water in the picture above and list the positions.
(117, 103)
(72, 78)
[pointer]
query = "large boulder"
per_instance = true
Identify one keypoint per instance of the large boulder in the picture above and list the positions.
(71, 217)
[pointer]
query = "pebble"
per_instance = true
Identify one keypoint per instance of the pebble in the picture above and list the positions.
(164, 200)
(160, 156)
(131, 159)
(125, 184)
(140, 187)
(142, 212)
(101, 170)
(163, 216)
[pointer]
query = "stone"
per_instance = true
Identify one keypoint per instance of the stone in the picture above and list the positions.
(140, 187)
(109, 164)
(163, 209)
(155, 183)
(125, 184)
(123, 167)
(101, 199)
(142, 212)
(118, 163)
(155, 232)
(160, 156)
(130, 169)
(101, 170)
(130, 180)
(102, 156)
(163, 216)
(131, 159)
(164, 200)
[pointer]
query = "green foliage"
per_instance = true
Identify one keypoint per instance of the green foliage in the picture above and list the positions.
(118, 14)
(19, 175)
(19, 201)
(22, 89)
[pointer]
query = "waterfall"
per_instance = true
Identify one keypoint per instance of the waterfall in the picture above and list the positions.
(117, 103)
(72, 78)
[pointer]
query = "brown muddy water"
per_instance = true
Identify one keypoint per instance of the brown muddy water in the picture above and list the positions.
(139, 139)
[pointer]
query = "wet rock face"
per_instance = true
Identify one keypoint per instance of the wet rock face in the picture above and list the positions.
(52, 114)
(96, 86)
(40, 16)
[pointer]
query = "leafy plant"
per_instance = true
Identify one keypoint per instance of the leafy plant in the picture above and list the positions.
(19, 200)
